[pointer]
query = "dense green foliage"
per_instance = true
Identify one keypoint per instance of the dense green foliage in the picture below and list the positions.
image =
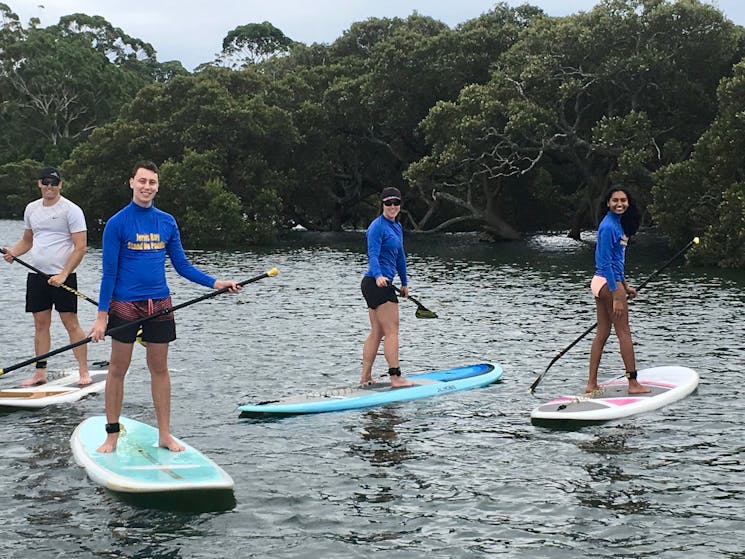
(508, 122)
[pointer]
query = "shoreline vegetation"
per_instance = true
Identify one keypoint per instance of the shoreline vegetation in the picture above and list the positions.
(508, 123)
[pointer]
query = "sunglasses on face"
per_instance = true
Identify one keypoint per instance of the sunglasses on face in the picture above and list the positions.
(49, 182)
(392, 202)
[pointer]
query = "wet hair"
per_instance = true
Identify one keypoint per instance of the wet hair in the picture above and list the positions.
(630, 218)
(149, 165)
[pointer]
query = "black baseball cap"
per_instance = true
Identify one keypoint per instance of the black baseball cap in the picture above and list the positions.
(49, 173)
(390, 192)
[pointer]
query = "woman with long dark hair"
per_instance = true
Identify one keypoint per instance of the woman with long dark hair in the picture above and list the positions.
(609, 285)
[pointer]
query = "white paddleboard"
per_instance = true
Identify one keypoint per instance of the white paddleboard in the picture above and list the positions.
(139, 465)
(667, 384)
(61, 390)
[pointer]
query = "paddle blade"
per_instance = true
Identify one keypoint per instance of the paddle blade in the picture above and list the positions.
(421, 312)
(273, 272)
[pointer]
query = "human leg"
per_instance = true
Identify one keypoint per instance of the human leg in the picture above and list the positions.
(42, 344)
(370, 347)
(119, 360)
(72, 325)
(160, 385)
(387, 315)
(603, 310)
(623, 333)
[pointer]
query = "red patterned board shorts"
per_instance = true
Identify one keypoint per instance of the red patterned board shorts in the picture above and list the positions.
(127, 315)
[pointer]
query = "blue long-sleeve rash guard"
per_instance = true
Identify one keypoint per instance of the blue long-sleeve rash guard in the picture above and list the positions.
(135, 243)
(385, 250)
(610, 250)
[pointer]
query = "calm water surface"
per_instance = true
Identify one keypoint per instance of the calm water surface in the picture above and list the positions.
(460, 476)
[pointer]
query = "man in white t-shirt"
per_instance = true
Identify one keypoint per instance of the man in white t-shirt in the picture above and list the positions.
(55, 233)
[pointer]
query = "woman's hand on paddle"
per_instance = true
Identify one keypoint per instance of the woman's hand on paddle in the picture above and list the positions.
(404, 291)
(232, 286)
(630, 291)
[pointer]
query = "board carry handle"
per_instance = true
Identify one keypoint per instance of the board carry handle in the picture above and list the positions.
(271, 273)
(654, 274)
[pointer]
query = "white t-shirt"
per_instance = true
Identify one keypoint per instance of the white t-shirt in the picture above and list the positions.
(52, 227)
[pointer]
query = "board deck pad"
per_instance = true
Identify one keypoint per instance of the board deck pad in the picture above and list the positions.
(433, 383)
(667, 384)
(61, 390)
(139, 465)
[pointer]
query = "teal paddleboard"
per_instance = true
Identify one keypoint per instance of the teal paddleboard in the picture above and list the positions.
(425, 385)
(139, 465)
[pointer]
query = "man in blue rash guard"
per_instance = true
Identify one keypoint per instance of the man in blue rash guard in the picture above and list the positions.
(136, 241)
(610, 288)
(385, 254)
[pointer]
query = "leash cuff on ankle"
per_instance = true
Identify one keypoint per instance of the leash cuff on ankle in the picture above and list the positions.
(113, 428)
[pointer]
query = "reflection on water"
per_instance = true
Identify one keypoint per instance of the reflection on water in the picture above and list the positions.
(380, 444)
(465, 475)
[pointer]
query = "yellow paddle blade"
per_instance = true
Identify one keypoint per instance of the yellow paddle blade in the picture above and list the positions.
(138, 338)
(273, 272)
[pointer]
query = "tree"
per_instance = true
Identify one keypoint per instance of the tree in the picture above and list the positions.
(60, 82)
(560, 100)
(18, 187)
(705, 195)
(223, 152)
(251, 44)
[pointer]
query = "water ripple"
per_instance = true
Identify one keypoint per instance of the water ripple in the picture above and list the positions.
(465, 476)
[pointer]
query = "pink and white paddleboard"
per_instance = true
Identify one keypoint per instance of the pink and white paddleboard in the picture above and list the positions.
(668, 384)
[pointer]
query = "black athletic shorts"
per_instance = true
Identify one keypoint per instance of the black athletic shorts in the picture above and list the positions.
(158, 330)
(376, 296)
(40, 296)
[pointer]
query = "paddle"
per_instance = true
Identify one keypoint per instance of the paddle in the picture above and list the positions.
(537, 381)
(68, 288)
(421, 310)
(62, 285)
(271, 273)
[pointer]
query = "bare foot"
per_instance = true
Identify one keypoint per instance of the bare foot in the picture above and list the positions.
(171, 444)
(590, 388)
(85, 379)
(400, 382)
(365, 380)
(38, 378)
(109, 445)
(636, 388)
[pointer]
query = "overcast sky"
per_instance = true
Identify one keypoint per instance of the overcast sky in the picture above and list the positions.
(192, 31)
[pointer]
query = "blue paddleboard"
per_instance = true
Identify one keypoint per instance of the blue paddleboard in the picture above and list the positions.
(435, 383)
(138, 465)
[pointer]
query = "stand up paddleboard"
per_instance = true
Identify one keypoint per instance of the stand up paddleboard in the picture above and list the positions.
(434, 383)
(59, 391)
(612, 401)
(139, 465)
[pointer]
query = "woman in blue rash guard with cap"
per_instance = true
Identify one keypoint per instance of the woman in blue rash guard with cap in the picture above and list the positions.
(609, 285)
(385, 255)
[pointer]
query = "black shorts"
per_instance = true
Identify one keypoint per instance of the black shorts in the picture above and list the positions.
(40, 296)
(158, 330)
(376, 296)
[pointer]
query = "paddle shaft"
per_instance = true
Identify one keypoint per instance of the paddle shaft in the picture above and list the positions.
(417, 303)
(110, 331)
(62, 285)
(591, 328)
